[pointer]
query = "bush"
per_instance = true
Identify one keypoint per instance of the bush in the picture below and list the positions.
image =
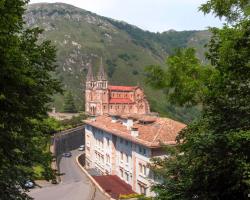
(73, 122)
(129, 196)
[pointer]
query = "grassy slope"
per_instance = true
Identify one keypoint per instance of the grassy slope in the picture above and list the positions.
(82, 37)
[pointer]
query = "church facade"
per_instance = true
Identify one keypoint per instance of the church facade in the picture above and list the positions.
(102, 98)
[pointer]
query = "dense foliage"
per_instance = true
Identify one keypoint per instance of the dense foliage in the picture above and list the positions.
(212, 159)
(26, 87)
(73, 122)
(69, 105)
(185, 81)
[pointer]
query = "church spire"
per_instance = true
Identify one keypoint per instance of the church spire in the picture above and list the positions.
(90, 76)
(101, 74)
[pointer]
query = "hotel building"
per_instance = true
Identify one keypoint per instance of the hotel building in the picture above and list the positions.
(123, 146)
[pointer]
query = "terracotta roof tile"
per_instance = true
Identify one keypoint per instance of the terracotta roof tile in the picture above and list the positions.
(161, 130)
(121, 88)
(120, 100)
(113, 185)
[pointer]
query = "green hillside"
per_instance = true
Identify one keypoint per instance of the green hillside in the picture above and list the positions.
(82, 37)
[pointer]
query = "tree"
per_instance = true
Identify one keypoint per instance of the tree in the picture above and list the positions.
(185, 81)
(69, 105)
(26, 88)
(212, 159)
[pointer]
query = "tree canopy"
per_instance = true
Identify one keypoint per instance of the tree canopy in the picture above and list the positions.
(211, 160)
(26, 88)
(69, 105)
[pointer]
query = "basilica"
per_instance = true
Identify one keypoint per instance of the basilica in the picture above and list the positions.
(102, 98)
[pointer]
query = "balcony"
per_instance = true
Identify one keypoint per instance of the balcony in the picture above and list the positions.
(143, 178)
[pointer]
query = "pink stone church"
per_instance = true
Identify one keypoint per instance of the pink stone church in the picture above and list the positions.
(102, 98)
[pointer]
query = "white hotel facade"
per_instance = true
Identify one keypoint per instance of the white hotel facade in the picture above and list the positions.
(124, 145)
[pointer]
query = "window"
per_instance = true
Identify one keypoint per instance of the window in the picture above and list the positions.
(126, 142)
(121, 173)
(108, 142)
(127, 177)
(121, 155)
(140, 149)
(144, 151)
(143, 190)
(121, 140)
(144, 169)
(127, 158)
(108, 159)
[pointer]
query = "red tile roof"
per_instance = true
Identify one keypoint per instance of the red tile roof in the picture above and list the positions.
(120, 100)
(113, 185)
(121, 88)
(160, 130)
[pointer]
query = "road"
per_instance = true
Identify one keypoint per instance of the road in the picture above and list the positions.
(74, 185)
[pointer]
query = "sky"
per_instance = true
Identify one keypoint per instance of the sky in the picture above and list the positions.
(152, 15)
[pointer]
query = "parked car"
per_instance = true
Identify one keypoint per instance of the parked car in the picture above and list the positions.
(81, 148)
(54, 181)
(29, 184)
(67, 154)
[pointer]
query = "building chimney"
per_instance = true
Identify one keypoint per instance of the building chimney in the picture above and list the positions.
(130, 123)
(134, 132)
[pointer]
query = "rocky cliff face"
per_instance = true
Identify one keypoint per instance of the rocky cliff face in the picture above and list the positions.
(82, 37)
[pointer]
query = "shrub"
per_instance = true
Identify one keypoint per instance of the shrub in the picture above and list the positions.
(129, 196)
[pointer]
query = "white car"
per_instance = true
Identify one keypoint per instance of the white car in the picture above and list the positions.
(81, 148)
(29, 184)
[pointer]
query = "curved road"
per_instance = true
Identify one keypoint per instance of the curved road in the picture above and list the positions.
(74, 185)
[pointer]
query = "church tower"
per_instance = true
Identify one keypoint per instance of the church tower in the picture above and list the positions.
(90, 106)
(102, 89)
(96, 92)
(102, 79)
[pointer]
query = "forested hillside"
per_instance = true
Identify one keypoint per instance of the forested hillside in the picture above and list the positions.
(82, 37)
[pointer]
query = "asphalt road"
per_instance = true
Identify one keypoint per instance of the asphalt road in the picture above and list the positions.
(74, 185)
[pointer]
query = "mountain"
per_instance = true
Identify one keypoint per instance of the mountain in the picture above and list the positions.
(82, 37)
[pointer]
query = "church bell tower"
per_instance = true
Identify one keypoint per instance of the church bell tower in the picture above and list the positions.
(102, 80)
(90, 107)
(96, 92)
